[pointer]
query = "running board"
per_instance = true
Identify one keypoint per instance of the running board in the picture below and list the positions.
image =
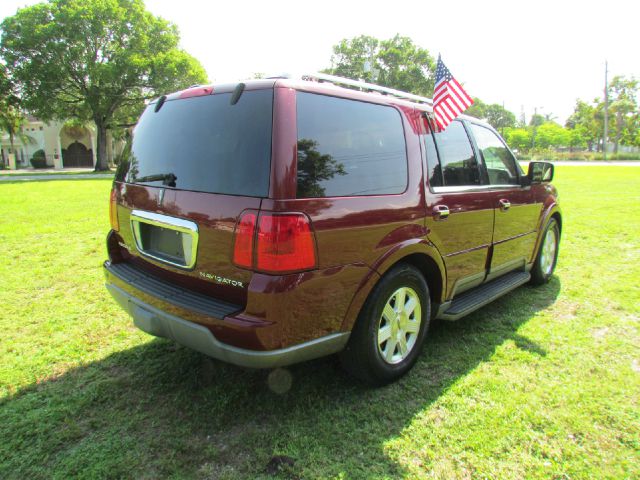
(475, 298)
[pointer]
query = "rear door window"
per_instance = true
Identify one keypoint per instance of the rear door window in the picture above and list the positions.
(457, 163)
(349, 148)
(204, 144)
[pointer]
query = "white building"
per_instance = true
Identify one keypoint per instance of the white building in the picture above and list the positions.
(64, 146)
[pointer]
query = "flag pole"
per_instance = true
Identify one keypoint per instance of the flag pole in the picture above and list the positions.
(606, 110)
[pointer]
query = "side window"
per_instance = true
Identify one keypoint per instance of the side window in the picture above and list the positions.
(501, 166)
(434, 172)
(457, 161)
(349, 148)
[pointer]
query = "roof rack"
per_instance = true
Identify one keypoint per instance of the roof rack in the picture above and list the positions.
(324, 77)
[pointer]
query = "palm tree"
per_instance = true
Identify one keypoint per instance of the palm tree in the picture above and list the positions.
(11, 122)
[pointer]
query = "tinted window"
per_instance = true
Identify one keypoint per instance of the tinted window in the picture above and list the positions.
(204, 144)
(458, 163)
(349, 148)
(434, 173)
(501, 166)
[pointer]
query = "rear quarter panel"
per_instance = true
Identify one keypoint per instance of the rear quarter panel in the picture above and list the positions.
(354, 235)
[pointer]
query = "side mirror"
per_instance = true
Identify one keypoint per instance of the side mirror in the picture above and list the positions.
(540, 172)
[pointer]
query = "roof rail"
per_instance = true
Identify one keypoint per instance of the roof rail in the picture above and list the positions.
(324, 77)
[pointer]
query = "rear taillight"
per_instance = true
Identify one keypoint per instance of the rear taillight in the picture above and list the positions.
(283, 242)
(113, 210)
(243, 248)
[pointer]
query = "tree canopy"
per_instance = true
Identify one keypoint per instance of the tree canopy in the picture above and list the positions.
(11, 118)
(95, 60)
(496, 115)
(624, 110)
(587, 119)
(395, 63)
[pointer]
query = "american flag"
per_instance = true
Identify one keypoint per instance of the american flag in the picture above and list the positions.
(449, 98)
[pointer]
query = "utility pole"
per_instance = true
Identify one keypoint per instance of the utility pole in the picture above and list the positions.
(606, 110)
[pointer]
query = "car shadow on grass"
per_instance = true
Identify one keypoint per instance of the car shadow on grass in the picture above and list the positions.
(161, 410)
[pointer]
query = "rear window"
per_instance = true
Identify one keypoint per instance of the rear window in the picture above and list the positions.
(203, 144)
(349, 148)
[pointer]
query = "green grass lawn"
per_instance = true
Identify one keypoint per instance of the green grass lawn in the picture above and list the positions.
(543, 383)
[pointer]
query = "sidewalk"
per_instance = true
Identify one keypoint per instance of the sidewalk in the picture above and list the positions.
(595, 163)
(80, 176)
(47, 171)
(29, 174)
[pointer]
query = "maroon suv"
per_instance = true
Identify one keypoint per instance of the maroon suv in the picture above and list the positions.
(275, 221)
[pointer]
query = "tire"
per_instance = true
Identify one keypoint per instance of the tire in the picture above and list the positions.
(380, 362)
(545, 262)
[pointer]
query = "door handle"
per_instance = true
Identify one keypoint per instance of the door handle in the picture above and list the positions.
(441, 212)
(505, 204)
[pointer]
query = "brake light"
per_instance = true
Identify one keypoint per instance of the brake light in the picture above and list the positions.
(243, 248)
(282, 242)
(285, 243)
(113, 210)
(196, 91)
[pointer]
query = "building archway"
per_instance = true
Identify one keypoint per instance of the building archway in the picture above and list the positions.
(76, 142)
(77, 155)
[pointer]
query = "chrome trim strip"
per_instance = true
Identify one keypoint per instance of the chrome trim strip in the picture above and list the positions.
(172, 223)
(473, 188)
(166, 221)
(514, 237)
(479, 247)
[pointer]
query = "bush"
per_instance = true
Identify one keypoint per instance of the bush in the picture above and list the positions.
(39, 159)
(575, 156)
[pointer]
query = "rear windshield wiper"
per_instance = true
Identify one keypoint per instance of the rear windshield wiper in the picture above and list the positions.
(168, 179)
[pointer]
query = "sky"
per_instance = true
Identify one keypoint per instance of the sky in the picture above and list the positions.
(530, 55)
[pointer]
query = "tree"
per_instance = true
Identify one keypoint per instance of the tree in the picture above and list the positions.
(496, 115)
(550, 134)
(499, 117)
(518, 138)
(11, 117)
(478, 109)
(537, 120)
(577, 137)
(7, 94)
(93, 60)
(584, 119)
(624, 107)
(395, 63)
(11, 123)
(314, 167)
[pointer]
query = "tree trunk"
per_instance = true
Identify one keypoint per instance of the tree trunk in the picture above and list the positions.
(101, 154)
(13, 149)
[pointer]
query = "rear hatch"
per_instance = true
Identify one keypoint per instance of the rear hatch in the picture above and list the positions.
(195, 161)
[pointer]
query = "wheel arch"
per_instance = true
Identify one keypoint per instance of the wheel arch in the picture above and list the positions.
(558, 216)
(420, 254)
(430, 271)
(552, 212)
